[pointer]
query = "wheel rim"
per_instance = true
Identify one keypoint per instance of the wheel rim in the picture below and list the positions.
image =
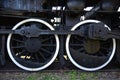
(48, 44)
(79, 64)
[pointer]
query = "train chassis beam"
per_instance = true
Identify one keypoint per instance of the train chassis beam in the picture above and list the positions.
(96, 31)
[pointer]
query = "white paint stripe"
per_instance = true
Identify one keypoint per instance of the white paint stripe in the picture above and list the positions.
(88, 8)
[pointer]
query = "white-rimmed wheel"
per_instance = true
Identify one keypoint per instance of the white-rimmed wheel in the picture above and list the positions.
(33, 54)
(87, 54)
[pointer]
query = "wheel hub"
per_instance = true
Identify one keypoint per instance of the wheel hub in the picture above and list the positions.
(33, 45)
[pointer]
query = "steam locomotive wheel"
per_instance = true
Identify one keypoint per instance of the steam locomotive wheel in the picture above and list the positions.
(35, 53)
(87, 54)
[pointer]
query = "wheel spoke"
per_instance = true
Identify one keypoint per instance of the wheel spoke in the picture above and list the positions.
(23, 51)
(45, 50)
(78, 38)
(74, 51)
(14, 47)
(104, 48)
(76, 45)
(106, 43)
(37, 58)
(18, 40)
(48, 45)
(42, 55)
(80, 49)
(47, 39)
(19, 54)
(101, 53)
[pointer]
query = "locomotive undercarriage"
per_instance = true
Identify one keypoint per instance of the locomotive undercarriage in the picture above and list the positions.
(56, 30)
